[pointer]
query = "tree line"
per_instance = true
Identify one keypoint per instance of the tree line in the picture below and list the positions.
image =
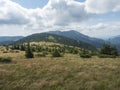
(105, 51)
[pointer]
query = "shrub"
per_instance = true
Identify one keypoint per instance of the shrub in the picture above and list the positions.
(29, 53)
(5, 51)
(85, 54)
(14, 51)
(41, 54)
(45, 52)
(56, 53)
(5, 60)
(109, 50)
(106, 56)
(75, 51)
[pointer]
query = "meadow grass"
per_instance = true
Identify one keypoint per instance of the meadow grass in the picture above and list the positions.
(65, 73)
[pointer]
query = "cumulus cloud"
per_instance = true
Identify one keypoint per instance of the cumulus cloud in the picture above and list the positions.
(64, 12)
(102, 30)
(102, 6)
(12, 13)
(56, 15)
(56, 12)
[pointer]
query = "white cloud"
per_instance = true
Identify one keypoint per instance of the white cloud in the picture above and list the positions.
(102, 30)
(102, 6)
(56, 12)
(64, 12)
(56, 15)
(12, 13)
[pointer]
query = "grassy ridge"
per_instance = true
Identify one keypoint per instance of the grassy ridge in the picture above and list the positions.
(65, 73)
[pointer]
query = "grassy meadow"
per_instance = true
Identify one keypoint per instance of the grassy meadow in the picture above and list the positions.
(65, 73)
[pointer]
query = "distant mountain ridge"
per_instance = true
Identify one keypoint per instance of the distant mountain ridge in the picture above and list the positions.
(72, 37)
(78, 36)
(115, 41)
(47, 37)
(5, 40)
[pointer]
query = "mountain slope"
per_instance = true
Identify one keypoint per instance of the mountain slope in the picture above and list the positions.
(5, 40)
(54, 38)
(116, 41)
(78, 36)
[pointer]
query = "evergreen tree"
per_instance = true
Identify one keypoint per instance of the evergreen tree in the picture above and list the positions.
(29, 53)
(107, 49)
(7, 47)
(22, 47)
(15, 47)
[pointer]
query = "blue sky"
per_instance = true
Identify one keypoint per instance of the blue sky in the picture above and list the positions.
(35, 3)
(95, 18)
(32, 3)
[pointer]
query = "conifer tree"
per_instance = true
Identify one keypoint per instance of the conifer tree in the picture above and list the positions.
(22, 47)
(29, 53)
(107, 49)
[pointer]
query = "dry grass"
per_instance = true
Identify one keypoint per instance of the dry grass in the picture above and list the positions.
(44, 43)
(65, 73)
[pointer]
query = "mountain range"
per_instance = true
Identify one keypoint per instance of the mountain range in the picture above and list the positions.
(81, 37)
(47, 37)
(115, 41)
(6, 40)
(70, 37)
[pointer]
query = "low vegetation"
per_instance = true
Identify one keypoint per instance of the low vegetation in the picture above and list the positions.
(48, 72)
(42, 54)
(5, 60)
(85, 53)
(108, 51)
(65, 73)
(56, 53)
(58, 50)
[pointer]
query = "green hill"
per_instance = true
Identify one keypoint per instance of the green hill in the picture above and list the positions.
(81, 37)
(46, 37)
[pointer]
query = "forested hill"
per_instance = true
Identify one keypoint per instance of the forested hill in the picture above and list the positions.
(46, 37)
(79, 36)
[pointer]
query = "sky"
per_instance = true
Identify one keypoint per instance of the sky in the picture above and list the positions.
(95, 18)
